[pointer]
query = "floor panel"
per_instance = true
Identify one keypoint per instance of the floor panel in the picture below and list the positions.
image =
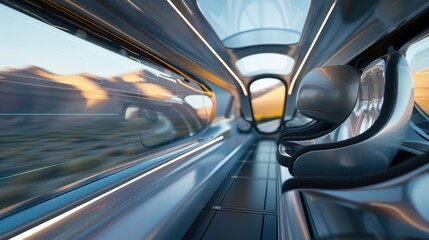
(245, 204)
(234, 225)
(254, 170)
(246, 194)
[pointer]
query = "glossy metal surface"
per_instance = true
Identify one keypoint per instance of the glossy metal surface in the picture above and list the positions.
(155, 26)
(394, 209)
(158, 203)
(366, 109)
(70, 110)
(292, 217)
(374, 153)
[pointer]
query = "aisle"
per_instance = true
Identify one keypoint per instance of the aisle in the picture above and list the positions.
(245, 205)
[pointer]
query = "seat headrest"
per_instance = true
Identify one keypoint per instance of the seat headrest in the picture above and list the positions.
(328, 93)
(369, 139)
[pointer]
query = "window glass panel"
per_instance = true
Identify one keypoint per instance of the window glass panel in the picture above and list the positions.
(268, 101)
(71, 110)
(265, 63)
(244, 23)
(168, 86)
(202, 102)
(418, 58)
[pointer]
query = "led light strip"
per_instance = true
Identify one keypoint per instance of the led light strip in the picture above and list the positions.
(292, 84)
(243, 88)
(62, 216)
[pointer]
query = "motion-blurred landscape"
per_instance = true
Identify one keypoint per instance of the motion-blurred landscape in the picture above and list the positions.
(267, 106)
(58, 130)
(421, 89)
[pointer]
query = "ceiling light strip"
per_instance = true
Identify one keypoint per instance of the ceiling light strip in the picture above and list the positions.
(243, 88)
(292, 84)
(60, 217)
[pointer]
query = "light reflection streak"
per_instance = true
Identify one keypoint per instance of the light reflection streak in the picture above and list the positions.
(187, 7)
(43, 106)
(133, 58)
(33, 170)
(190, 87)
(134, 5)
(62, 216)
(243, 88)
(402, 215)
(292, 84)
(128, 50)
(297, 207)
(72, 14)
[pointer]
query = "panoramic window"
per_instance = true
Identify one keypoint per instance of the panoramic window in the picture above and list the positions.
(418, 56)
(70, 110)
(265, 63)
(268, 101)
(253, 22)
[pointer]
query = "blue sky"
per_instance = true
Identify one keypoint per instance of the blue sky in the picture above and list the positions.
(26, 41)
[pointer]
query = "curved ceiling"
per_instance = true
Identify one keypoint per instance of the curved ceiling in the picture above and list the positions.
(244, 23)
(169, 30)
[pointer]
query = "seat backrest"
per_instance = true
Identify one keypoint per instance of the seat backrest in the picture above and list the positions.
(328, 94)
(333, 86)
(370, 137)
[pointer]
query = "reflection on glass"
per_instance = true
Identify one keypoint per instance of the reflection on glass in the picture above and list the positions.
(418, 58)
(70, 110)
(201, 103)
(168, 86)
(268, 98)
(265, 63)
(242, 23)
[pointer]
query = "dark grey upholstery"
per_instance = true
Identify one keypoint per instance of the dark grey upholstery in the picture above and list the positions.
(368, 140)
(328, 93)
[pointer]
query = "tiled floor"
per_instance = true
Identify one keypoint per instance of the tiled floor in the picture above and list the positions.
(245, 205)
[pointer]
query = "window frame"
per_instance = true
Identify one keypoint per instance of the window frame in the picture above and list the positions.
(282, 121)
